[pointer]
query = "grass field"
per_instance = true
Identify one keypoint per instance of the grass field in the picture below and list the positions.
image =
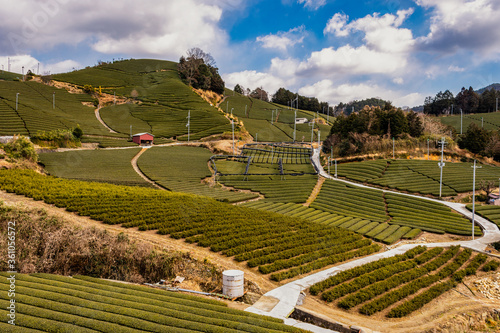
(491, 121)
(286, 246)
(52, 303)
(181, 169)
(418, 176)
(110, 166)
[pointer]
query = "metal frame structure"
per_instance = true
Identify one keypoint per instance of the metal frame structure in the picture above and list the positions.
(277, 151)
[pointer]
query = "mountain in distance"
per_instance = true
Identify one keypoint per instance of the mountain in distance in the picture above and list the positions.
(495, 86)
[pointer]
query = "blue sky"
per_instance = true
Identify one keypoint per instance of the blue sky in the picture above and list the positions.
(336, 50)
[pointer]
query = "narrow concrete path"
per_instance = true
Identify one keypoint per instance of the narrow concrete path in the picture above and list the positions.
(98, 116)
(286, 296)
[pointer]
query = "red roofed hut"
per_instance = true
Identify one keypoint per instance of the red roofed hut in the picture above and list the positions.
(143, 138)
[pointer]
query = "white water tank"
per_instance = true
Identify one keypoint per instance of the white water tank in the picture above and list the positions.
(232, 283)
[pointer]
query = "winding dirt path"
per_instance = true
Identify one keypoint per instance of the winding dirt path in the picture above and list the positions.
(139, 172)
(98, 116)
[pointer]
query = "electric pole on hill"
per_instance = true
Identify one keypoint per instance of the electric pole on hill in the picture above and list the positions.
(188, 125)
(474, 196)
(441, 166)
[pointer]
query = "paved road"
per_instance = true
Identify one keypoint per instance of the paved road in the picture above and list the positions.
(288, 294)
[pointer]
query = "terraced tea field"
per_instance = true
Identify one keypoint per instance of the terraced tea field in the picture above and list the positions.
(491, 121)
(281, 246)
(399, 285)
(164, 100)
(492, 213)
(182, 169)
(259, 118)
(110, 166)
(418, 176)
(35, 110)
(83, 304)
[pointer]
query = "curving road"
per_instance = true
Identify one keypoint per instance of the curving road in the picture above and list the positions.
(286, 297)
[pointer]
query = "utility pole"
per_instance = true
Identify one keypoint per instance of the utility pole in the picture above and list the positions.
(335, 168)
(393, 157)
(54, 100)
(474, 196)
(496, 108)
(23, 73)
(427, 149)
(256, 137)
(312, 131)
(8, 63)
(319, 139)
(232, 127)
(227, 107)
(188, 125)
(441, 166)
(17, 99)
(482, 122)
(246, 115)
(130, 132)
(452, 109)
(294, 125)
(272, 116)
(461, 120)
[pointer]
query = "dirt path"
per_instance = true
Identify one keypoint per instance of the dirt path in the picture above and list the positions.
(98, 116)
(164, 242)
(139, 172)
(315, 192)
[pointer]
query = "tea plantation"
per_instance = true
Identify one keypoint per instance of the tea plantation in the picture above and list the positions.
(281, 246)
(53, 303)
(418, 276)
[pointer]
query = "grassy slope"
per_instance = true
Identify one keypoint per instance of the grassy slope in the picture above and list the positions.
(35, 110)
(491, 121)
(164, 99)
(257, 119)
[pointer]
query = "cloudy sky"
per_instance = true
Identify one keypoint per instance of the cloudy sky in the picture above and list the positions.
(336, 50)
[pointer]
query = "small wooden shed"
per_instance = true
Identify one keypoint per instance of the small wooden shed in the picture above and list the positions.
(143, 138)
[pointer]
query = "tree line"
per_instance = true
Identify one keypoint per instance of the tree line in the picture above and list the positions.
(359, 131)
(199, 71)
(287, 98)
(467, 100)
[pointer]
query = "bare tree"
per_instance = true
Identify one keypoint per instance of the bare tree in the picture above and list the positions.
(197, 53)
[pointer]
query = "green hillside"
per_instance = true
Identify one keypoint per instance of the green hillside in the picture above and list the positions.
(35, 110)
(52, 303)
(491, 121)
(259, 118)
(162, 99)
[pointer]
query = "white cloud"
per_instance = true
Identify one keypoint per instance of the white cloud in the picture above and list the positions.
(254, 79)
(283, 40)
(30, 63)
(457, 69)
(312, 4)
(284, 67)
(463, 25)
(382, 33)
(398, 80)
(336, 25)
(326, 90)
(148, 28)
(352, 61)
